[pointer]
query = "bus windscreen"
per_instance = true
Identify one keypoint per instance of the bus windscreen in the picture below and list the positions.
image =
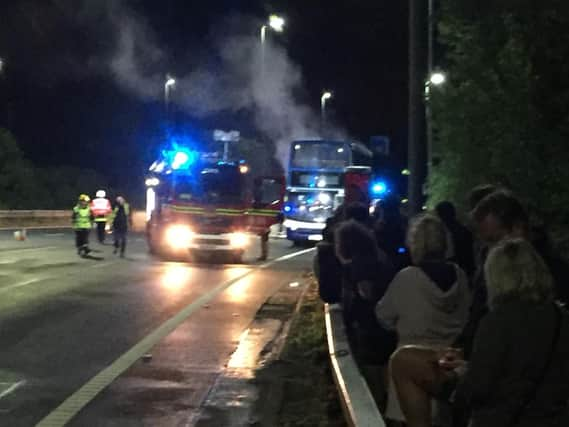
(323, 155)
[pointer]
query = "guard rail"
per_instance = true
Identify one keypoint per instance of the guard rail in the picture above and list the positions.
(358, 404)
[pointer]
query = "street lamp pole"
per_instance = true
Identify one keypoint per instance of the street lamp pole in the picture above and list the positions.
(326, 95)
(168, 84)
(275, 23)
(428, 112)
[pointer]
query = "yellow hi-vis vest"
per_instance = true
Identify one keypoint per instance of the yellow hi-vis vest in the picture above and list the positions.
(81, 217)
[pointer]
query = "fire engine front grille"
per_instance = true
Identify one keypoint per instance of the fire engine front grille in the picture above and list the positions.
(217, 242)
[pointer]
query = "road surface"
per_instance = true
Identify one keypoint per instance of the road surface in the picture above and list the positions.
(151, 335)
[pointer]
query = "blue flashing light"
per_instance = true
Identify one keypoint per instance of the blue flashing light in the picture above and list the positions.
(379, 188)
(401, 250)
(181, 158)
(288, 208)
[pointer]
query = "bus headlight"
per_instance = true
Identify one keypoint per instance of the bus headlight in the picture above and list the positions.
(238, 240)
(179, 236)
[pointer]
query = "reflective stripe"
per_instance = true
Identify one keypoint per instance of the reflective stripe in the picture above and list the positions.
(82, 218)
(101, 207)
(263, 212)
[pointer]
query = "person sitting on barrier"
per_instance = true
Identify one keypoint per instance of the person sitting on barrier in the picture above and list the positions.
(366, 272)
(365, 266)
(518, 373)
(415, 369)
(326, 266)
(426, 303)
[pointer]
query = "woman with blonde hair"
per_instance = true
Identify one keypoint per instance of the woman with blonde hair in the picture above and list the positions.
(518, 373)
(426, 303)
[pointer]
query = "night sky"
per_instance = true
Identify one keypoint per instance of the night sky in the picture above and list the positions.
(65, 106)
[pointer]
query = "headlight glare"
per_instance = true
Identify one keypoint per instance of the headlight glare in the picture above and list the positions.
(238, 240)
(179, 236)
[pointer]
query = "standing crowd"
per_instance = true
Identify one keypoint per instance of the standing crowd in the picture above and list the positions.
(100, 213)
(451, 327)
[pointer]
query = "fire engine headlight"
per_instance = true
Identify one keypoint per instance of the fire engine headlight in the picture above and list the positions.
(179, 236)
(238, 240)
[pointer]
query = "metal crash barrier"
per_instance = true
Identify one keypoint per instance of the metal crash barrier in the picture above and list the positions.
(13, 219)
(358, 404)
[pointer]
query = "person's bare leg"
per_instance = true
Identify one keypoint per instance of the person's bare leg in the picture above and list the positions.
(415, 374)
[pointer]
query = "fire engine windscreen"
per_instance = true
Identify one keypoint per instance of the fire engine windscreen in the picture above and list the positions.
(212, 185)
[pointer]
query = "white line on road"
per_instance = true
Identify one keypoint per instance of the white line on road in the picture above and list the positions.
(22, 284)
(12, 388)
(43, 248)
(74, 403)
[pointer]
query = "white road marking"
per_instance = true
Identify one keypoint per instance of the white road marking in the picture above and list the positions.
(43, 248)
(12, 388)
(74, 403)
(22, 284)
(102, 265)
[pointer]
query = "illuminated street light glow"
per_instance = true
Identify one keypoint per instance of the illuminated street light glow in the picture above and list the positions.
(437, 79)
(276, 23)
(325, 96)
(170, 81)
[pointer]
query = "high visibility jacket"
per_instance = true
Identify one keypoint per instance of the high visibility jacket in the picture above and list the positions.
(101, 208)
(81, 217)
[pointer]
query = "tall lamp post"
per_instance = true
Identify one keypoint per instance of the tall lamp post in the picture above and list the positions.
(435, 79)
(275, 23)
(169, 83)
(326, 95)
(168, 86)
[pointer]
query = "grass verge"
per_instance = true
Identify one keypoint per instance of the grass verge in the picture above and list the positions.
(307, 394)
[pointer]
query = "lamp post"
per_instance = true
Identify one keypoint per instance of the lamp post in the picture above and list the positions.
(326, 95)
(435, 79)
(168, 84)
(275, 23)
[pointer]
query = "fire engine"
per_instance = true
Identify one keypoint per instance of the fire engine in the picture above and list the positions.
(197, 203)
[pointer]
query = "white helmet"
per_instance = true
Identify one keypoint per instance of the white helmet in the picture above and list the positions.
(101, 193)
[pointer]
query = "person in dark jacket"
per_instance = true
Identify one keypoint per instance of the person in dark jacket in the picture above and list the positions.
(518, 374)
(390, 228)
(366, 274)
(122, 219)
(498, 216)
(461, 237)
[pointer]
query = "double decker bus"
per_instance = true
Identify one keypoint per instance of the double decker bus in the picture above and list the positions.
(315, 183)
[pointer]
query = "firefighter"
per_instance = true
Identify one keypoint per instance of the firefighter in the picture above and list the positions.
(101, 209)
(122, 219)
(82, 220)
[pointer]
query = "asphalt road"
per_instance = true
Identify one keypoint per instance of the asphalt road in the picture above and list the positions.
(109, 341)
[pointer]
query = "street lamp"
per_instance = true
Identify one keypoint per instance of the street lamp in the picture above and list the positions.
(276, 23)
(435, 79)
(326, 95)
(169, 83)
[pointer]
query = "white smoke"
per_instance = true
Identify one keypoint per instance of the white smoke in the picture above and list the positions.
(237, 74)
